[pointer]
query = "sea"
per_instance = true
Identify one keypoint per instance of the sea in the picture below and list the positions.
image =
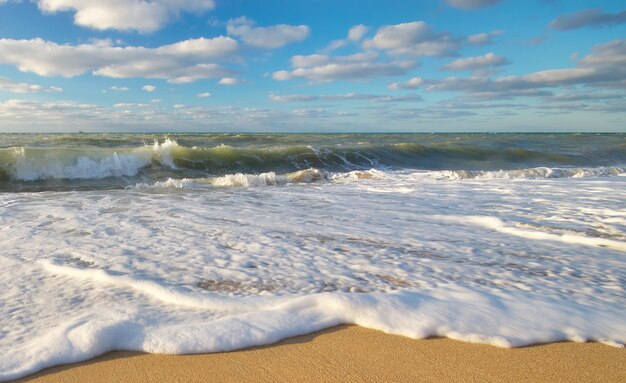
(194, 243)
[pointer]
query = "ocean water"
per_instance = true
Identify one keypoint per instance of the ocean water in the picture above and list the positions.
(203, 243)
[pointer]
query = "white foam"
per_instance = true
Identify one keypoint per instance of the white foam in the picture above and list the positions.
(494, 261)
(164, 152)
(505, 320)
(498, 225)
(522, 174)
(239, 180)
(264, 179)
(30, 164)
(174, 295)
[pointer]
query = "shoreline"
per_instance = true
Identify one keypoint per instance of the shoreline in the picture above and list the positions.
(350, 353)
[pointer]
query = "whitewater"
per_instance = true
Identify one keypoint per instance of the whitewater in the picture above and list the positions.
(206, 243)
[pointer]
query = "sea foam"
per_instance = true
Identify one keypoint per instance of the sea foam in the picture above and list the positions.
(29, 164)
(244, 257)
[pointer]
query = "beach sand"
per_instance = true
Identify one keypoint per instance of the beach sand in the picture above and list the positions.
(355, 354)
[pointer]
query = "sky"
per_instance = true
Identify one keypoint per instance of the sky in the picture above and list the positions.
(312, 66)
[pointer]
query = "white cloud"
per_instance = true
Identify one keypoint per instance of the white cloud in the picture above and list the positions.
(139, 15)
(15, 113)
(604, 67)
(204, 95)
(588, 18)
(343, 97)
(42, 116)
(149, 88)
(9, 85)
(568, 97)
(471, 4)
(184, 61)
(489, 60)
(228, 81)
(413, 83)
(119, 88)
(272, 37)
(130, 105)
(416, 39)
(321, 68)
(291, 98)
(301, 61)
(357, 32)
(356, 71)
(483, 38)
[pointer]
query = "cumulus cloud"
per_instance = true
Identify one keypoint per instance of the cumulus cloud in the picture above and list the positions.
(415, 39)
(272, 37)
(356, 71)
(149, 88)
(471, 4)
(479, 87)
(343, 97)
(139, 15)
(119, 88)
(130, 105)
(44, 116)
(568, 97)
(321, 68)
(228, 81)
(308, 61)
(9, 85)
(413, 83)
(588, 18)
(604, 67)
(181, 62)
(490, 60)
(357, 32)
(392, 51)
(483, 38)
(204, 95)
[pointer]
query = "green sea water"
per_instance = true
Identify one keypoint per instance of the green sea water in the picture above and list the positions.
(34, 162)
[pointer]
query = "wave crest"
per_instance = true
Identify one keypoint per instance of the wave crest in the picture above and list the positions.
(31, 164)
(530, 173)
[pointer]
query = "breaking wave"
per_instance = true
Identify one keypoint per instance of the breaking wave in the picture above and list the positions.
(263, 179)
(30, 164)
(43, 163)
(315, 175)
(531, 173)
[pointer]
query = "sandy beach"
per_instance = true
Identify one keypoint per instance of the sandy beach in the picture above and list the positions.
(355, 354)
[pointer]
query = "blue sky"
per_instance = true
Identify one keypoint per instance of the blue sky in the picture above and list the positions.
(312, 65)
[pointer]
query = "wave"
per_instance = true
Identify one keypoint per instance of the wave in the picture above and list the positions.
(315, 175)
(31, 164)
(521, 174)
(263, 179)
(502, 319)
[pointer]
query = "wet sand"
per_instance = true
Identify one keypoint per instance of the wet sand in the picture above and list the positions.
(355, 354)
